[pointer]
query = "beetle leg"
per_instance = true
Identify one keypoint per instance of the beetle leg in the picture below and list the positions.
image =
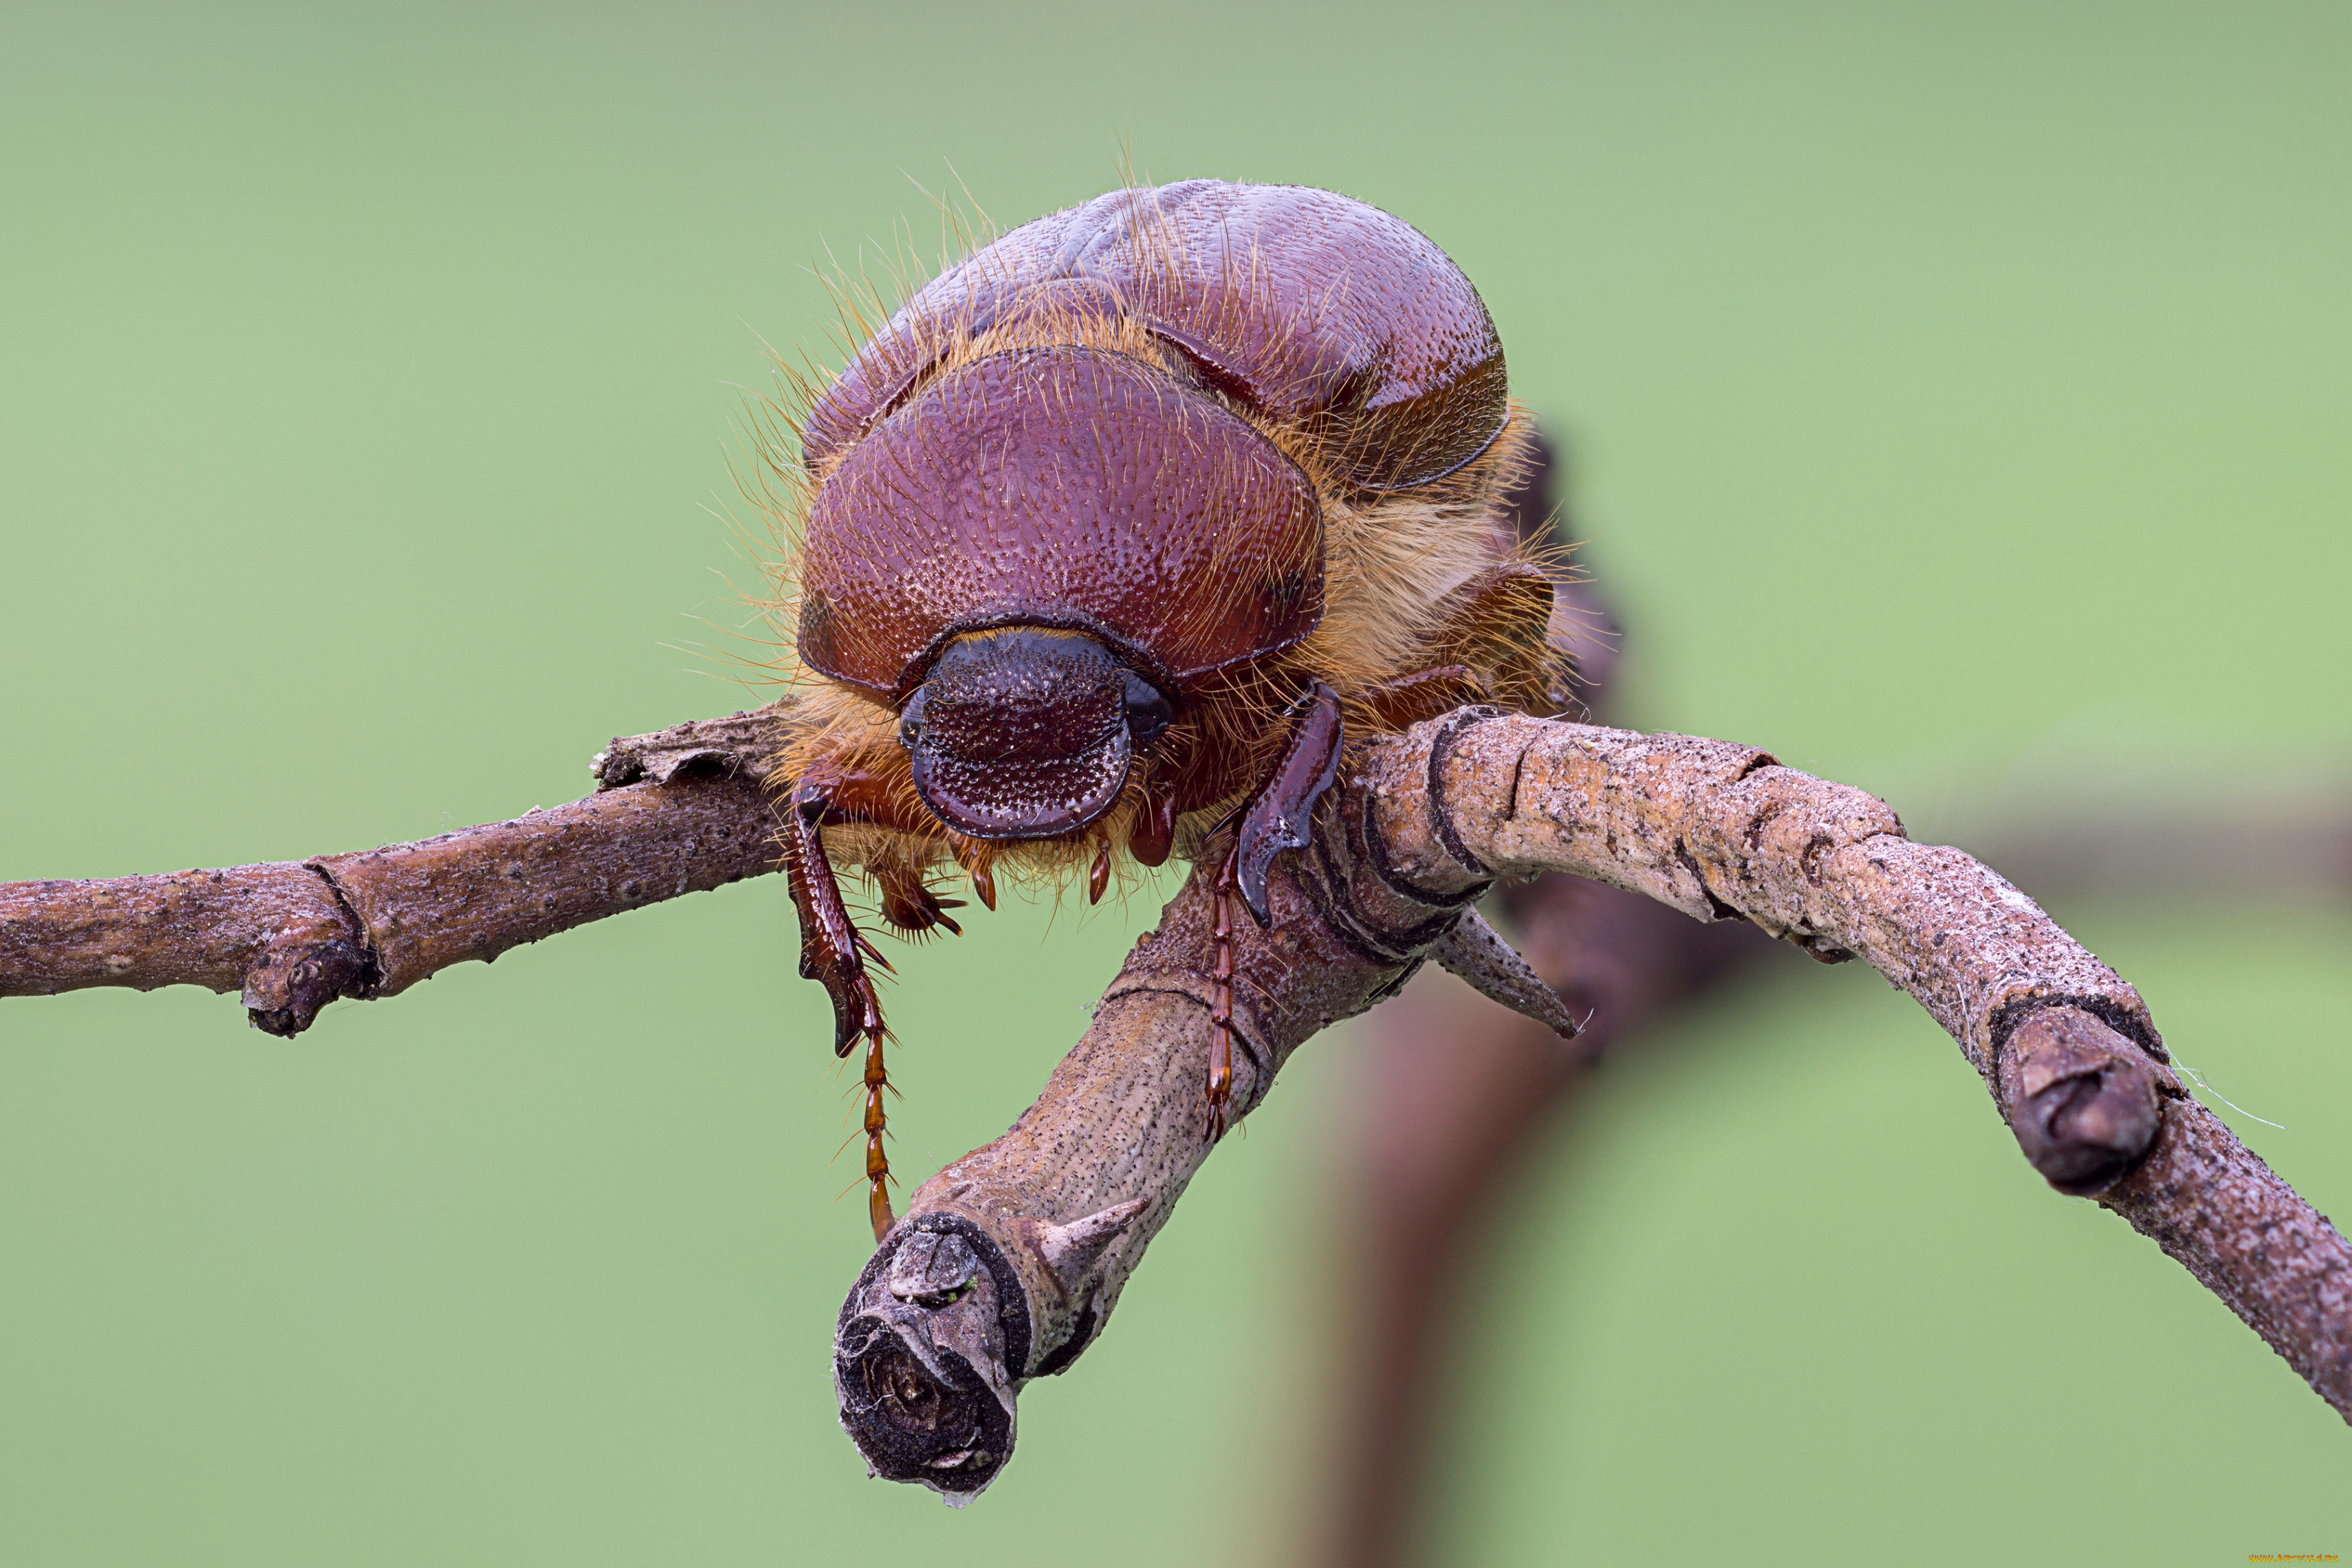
(1499, 622)
(1278, 817)
(878, 1163)
(834, 950)
(974, 859)
(1221, 1003)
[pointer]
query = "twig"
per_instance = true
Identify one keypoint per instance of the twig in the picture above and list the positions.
(928, 1377)
(680, 810)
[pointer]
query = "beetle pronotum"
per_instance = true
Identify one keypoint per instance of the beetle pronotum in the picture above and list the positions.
(1113, 535)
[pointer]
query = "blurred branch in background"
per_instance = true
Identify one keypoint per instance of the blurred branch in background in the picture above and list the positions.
(1453, 1094)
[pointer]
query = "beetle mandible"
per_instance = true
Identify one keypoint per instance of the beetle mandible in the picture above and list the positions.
(1112, 535)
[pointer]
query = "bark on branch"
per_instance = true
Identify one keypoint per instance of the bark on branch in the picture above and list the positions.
(677, 811)
(1010, 1261)
(981, 1286)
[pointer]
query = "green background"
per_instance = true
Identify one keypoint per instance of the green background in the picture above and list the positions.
(1961, 398)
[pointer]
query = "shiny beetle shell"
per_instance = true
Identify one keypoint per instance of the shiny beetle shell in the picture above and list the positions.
(1173, 530)
(1119, 531)
(1308, 305)
(1315, 311)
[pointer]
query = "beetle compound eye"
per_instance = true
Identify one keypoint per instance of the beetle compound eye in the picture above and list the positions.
(1148, 713)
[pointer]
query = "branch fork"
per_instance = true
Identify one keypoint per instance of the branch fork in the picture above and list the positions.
(1424, 826)
(1010, 1261)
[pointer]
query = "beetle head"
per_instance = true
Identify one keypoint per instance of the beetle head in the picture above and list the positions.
(1027, 734)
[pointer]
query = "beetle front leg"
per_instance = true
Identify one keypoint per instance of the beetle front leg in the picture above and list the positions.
(835, 952)
(1278, 818)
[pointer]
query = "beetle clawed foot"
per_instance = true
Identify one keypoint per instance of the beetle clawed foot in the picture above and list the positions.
(878, 1163)
(1215, 1106)
(841, 970)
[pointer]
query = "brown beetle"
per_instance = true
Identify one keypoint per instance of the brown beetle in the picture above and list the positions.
(1111, 534)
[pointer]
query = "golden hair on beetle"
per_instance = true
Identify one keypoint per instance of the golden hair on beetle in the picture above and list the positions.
(1115, 531)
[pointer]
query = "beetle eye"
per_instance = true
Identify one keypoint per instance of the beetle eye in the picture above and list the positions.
(1147, 712)
(911, 720)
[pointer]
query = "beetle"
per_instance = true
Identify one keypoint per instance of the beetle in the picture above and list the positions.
(1110, 537)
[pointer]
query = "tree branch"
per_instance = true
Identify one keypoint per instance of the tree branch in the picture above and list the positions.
(2067, 1048)
(928, 1359)
(1010, 1261)
(977, 1290)
(677, 811)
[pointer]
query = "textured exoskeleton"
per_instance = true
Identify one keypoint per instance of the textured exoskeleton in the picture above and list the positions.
(1114, 534)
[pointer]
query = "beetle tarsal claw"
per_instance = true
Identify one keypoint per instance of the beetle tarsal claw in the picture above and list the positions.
(1476, 951)
(1279, 817)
